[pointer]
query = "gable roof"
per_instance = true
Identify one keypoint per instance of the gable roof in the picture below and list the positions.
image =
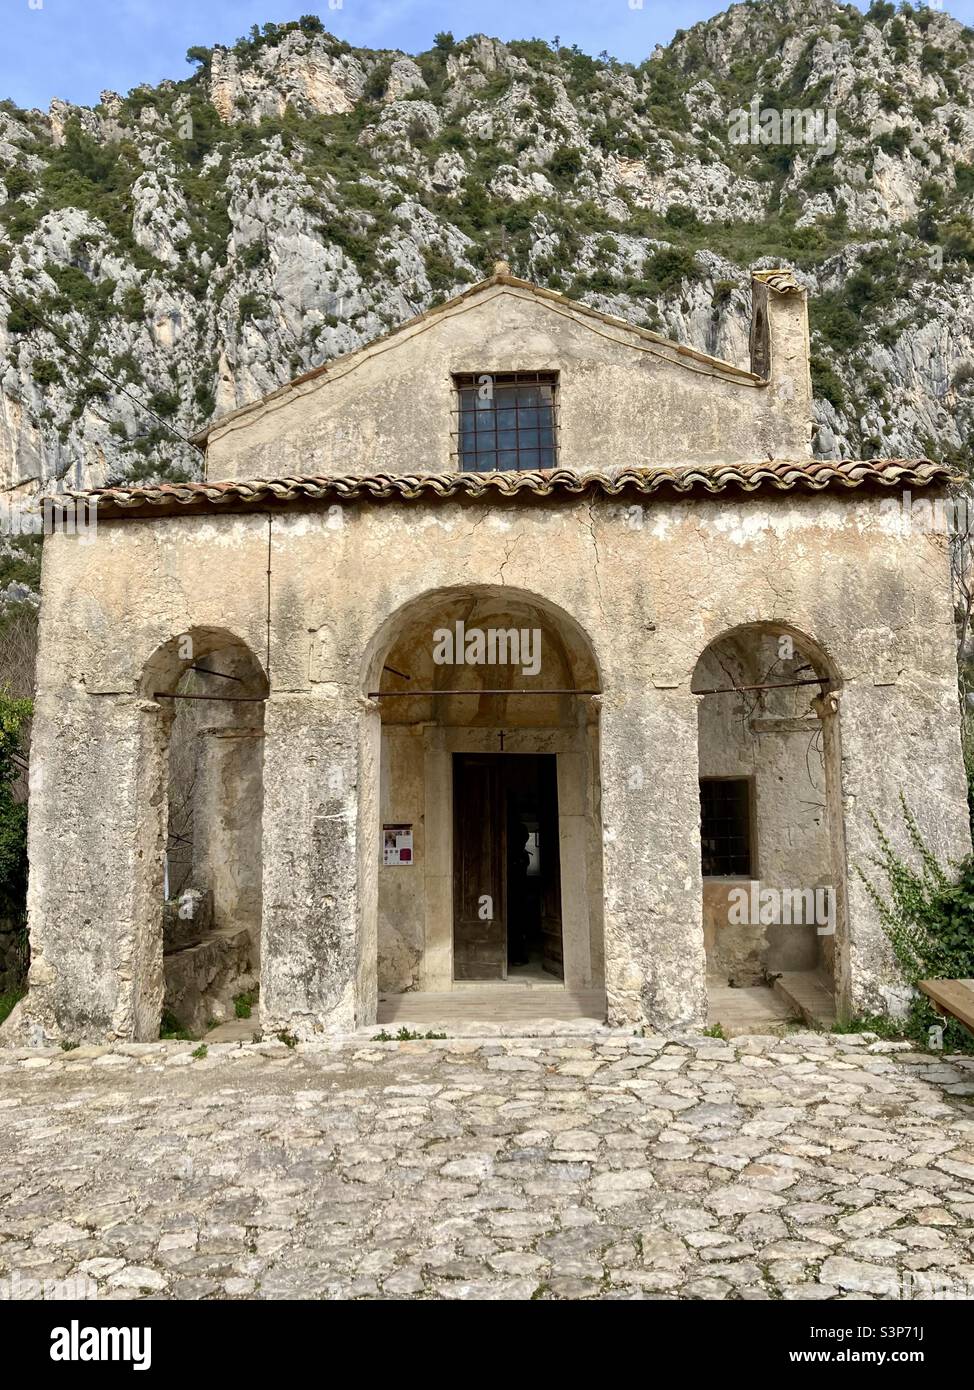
(502, 281)
(260, 494)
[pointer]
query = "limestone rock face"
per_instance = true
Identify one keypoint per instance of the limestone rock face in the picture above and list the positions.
(202, 242)
(404, 78)
(299, 73)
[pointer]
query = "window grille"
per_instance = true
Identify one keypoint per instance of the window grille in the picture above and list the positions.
(506, 420)
(725, 827)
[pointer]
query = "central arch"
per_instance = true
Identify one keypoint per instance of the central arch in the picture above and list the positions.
(484, 709)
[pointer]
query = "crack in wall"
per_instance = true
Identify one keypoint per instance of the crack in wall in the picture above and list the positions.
(598, 558)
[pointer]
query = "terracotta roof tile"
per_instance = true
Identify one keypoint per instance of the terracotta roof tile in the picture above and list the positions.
(782, 281)
(784, 476)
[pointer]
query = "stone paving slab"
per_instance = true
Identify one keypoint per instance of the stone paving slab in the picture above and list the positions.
(596, 1165)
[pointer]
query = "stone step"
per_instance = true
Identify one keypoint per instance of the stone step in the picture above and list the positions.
(808, 996)
(747, 1010)
(235, 1030)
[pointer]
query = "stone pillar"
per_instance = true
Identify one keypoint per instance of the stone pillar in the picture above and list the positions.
(96, 840)
(369, 849)
(654, 953)
(897, 737)
(827, 709)
(312, 913)
(437, 963)
(576, 911)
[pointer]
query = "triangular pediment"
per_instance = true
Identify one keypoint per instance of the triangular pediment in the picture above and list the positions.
(548, 303)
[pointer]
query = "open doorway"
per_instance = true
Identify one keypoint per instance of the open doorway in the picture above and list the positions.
(530, 733)
(507, 921)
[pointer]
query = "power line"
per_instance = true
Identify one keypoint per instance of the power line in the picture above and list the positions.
(86, 359)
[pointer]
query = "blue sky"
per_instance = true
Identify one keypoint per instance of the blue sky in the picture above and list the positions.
(76, 48)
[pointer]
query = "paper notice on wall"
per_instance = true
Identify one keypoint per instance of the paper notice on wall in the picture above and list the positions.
(397, 844)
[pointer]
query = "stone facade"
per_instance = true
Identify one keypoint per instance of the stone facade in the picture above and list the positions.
(687, 530)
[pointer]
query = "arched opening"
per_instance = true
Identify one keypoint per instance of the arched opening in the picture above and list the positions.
(772, 834)
(489, 867)
(207, 693)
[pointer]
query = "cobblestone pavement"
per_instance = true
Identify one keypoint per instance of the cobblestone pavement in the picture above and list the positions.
(571, 1166)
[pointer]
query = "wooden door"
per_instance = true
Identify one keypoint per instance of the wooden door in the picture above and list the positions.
(552, 950)
(479, 850)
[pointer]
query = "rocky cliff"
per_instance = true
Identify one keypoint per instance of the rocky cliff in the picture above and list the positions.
(194, 245)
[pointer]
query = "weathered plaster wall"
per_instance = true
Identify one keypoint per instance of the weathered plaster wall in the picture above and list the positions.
(650, 584)
(390, 406)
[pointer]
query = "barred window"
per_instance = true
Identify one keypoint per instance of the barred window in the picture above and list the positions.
(506, 420)
(725, 827)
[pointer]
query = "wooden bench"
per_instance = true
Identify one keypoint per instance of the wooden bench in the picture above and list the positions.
(954, 997)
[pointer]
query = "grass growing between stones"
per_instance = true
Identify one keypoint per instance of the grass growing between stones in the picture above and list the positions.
(8, 1002)
(889, 1029)
(404, 1035)
(171, 1030)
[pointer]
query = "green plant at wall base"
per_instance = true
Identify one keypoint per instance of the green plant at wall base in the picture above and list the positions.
(928, 916)
(406, 1035)
(243, 1004)
(171, 1030)
(883, 1027)
(14, 715)
(967, 747)
(8, 1002)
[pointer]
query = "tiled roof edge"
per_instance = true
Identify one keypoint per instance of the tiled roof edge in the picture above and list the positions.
(784, 476)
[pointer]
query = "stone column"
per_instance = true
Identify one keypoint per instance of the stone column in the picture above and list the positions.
(897, 737)
(437, 964)
(576, 912)
(96, 839)
(827, 709)
(314, 749)
(369, 848)
(654, 953)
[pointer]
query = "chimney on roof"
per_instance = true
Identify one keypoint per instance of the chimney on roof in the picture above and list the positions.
(779, 344)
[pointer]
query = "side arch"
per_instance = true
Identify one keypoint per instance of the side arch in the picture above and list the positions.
(772, 819)
(200, 812)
